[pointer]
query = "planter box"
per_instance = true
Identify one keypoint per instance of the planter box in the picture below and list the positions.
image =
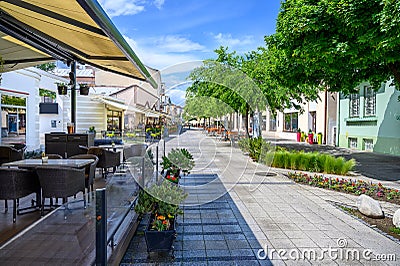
(298, 136)
(311, 138)
(159, 241)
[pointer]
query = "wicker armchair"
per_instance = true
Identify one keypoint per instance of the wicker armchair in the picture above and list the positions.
(17, 183)
(61, 182)
(107, 159)
(135, 150)
(90, 171)
(10, 154)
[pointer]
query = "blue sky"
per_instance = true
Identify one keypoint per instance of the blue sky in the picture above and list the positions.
(166, 33)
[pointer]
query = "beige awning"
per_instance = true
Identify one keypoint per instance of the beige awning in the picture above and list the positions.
(119, 105)
(149, 112)
(34, 32)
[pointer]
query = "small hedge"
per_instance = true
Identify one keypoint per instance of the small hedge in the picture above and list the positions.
(310, 161)
(255, 147)
(261, 151)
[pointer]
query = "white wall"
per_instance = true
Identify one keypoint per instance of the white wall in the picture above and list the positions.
(24, 83)
(27, 82)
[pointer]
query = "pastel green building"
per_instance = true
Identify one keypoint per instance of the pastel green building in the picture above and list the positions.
(370, 119)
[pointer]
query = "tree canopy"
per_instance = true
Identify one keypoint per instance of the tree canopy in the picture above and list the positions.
(336, 43)
(47, 66)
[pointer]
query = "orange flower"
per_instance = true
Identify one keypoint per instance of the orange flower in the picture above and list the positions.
(161, 218)
(165, 222)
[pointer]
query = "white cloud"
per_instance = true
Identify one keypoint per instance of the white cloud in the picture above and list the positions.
(159, 3)
(116, 8)
(177, 96)
(164, 51)
(177, 44)
(228, 40)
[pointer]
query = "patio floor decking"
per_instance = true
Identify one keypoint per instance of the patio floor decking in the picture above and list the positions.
(53, 240)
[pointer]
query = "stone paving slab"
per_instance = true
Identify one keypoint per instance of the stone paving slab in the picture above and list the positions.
(213, 233)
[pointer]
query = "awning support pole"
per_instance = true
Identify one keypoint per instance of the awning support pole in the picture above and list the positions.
(73, 92)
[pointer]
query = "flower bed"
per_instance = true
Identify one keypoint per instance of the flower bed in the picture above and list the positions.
(351, 186)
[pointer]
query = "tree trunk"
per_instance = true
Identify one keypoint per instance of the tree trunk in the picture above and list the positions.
(246, 121)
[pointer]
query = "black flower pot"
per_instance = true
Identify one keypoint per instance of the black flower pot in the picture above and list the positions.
(159, 241)
(84, 90)
(62, 89)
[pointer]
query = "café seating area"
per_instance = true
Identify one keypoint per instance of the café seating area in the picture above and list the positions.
(57, 178)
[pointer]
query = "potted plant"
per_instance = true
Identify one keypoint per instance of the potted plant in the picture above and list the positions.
(84, 89)
(176, 161)
(161, 203)
(319, 138)
(62, 88)
(298, 135)
(303, 136)
(92, 130)
(310, 137)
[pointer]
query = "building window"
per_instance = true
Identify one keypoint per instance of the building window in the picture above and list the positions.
(272, 121)
(354, 105)
(313, 121)
(13, 118)
(369, 101)
(368, 144)
(291, 122)
(353, 143)
(47, 96)
(114, 120)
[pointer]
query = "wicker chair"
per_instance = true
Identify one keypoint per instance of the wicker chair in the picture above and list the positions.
(17, 183)
(135, 150)
(107, 159)
(10, 154)
(61, 182)
(90, 171)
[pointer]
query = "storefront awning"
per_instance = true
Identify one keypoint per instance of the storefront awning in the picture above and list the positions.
(149, 112)
(119, 105)
(34, 32)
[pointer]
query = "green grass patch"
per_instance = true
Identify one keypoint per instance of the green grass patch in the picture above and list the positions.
(395, 230)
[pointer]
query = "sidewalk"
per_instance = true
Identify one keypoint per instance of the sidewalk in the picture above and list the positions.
(287, 220)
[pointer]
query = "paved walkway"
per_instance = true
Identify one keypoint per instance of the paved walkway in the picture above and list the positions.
(295, 224)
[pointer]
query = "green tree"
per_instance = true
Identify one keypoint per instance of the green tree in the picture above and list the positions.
(205, 107)
(47, 66)
(336, 44)
(224, 79)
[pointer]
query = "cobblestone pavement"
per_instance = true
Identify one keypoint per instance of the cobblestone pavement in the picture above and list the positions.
(295, 224)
